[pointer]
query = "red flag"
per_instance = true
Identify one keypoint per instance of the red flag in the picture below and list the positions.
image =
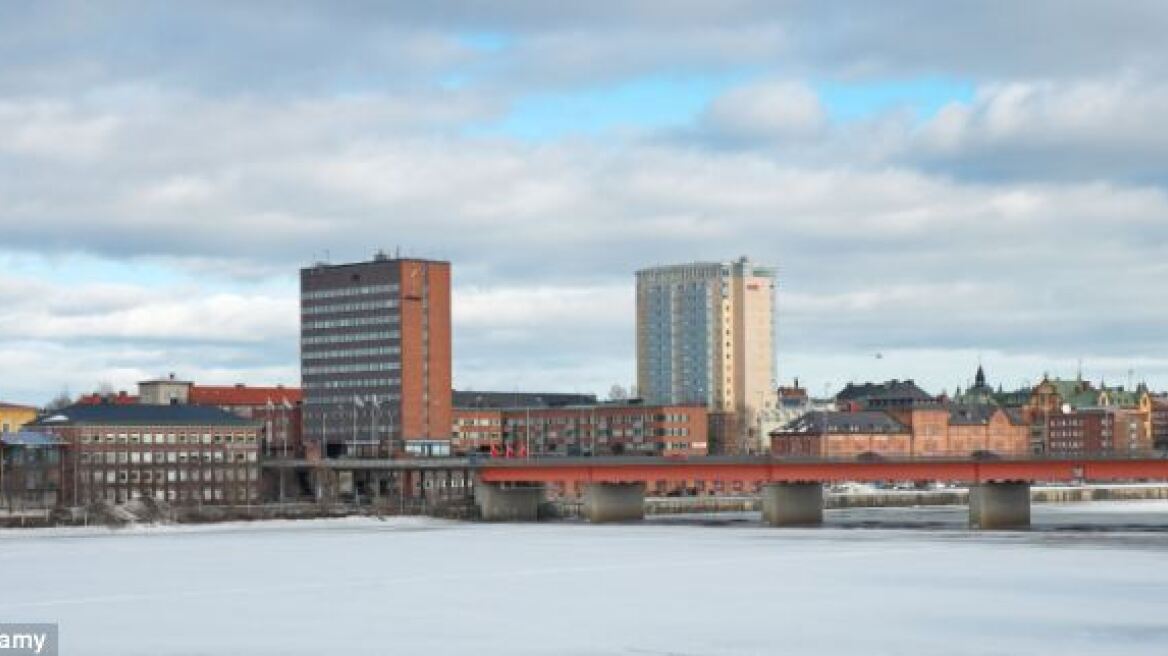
(510, 452)
(494, 451)
(522, 450)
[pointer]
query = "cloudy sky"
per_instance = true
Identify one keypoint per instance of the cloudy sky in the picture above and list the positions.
(937, 182)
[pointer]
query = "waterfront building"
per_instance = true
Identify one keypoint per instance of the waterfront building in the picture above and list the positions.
(608, 429)
(375, 357)
(472, 399)
(1160, 422)
(13, 416)
(899, 419)
(277, 408)
(705, 335)
(790, 404)
(30, 470)
(1054, 399)
(182, 454)
(1096, 430)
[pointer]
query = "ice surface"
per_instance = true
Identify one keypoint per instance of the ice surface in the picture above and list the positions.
(683, 586)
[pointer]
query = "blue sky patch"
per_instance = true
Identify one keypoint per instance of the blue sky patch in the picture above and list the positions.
(923, 96)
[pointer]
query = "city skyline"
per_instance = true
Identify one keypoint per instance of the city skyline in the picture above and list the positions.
(929, 202)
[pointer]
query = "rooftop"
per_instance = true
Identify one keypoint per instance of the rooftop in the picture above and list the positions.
(29, 438)
(244, 395)
(143, 415)
(843, 422)
(498, 400)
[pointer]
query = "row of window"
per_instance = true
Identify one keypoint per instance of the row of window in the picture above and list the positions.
(358, 367)
(168, 438)
(347, 399)
(372, 351)
(352, 322)
(120, 495)
(391, 288)
(349, 338)
(229, 474)
(170, 457)
(351, 384)
(363, 306)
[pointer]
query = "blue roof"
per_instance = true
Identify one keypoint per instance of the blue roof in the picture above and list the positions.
(29, 438)
(144, 415)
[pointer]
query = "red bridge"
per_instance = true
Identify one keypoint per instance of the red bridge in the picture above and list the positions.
(792, 490)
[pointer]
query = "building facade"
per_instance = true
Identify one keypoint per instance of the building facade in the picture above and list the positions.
(13, 416)
(375, 357)
(601, 429)
(30, 470)
(1098, 430)
(924, 431)
(181, 454)
(1160, 422)
(705, 335)
(1053, 399)
(278, 409)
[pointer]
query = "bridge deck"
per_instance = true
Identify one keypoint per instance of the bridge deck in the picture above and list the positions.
(629, 469)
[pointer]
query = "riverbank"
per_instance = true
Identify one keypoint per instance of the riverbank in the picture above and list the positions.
(153, 513)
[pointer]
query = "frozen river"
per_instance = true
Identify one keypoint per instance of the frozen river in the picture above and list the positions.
(722, 585)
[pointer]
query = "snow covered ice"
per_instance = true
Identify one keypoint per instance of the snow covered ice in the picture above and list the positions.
(665, 586)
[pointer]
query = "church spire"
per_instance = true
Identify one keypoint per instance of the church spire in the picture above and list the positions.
(979, 379)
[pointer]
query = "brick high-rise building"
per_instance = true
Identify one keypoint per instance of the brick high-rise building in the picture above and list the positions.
(375, 356)
(705, 334)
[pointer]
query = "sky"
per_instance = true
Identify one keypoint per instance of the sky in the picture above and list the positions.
(938, 184)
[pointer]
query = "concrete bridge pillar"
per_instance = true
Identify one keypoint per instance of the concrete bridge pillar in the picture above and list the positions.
(999, 505)
(614, 502)
(792, 504)
(508, 504)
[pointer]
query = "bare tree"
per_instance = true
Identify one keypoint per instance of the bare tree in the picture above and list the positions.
(617, 393)
(62, 400)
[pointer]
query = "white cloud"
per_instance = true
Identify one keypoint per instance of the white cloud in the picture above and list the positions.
(767, 111)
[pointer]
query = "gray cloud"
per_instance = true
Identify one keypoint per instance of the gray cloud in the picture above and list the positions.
(230, 144)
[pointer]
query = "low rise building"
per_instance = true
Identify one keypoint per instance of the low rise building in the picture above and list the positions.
(829, 434)
(1053, 398)
(499, 400)
(13, 416)
(1097, 430)
(1160, 422)
(183, 454)
(790, 404)
(946, 430)
(278, 409)
(599, 429)
(30, 470)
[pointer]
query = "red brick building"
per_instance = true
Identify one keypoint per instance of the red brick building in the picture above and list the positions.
(1160, 422)
(1097, 430)
(930, 429)
(602, 429)
(375, 356)
(278, 409)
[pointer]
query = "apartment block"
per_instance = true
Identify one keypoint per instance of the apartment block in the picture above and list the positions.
(705, 335)
(601, 429)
